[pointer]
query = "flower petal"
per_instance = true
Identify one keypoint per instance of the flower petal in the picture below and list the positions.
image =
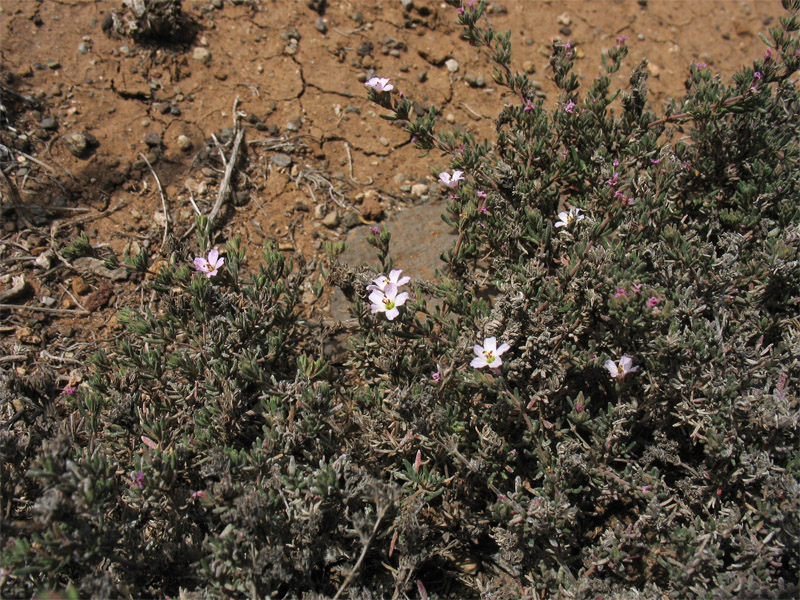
(490, 344)
(501, 349)
(478, 362)
(213, 255)
(401, 298)
(612, 368)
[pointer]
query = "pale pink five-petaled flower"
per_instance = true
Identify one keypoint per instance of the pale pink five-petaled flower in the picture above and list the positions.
(618, 370)
(380, 84)
(381, 281)
(451, 181)
(488, 354)
(568, 218)
(387, 300)
(209, 266)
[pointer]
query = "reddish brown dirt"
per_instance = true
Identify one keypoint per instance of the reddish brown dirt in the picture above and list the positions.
(56, 53)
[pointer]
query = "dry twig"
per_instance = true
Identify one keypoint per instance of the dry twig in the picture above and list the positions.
(163, 200)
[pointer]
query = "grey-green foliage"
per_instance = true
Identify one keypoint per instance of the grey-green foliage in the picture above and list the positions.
(216, 453)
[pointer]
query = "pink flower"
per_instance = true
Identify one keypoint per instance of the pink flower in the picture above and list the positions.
(620, 292)
(758, 75)
(621, 39)
(387, 300)
(69, 390)
(618, 370)
(139, 480)
(528, 105)
(488, 354)
(569, 107)
(437, 377)
(483, 210)
(481, 194)
(379, 84)
(210, 266)
(375, 230)
(768, 54)
(381, 281)
(653, 301)
(451, 181)
(637, 287)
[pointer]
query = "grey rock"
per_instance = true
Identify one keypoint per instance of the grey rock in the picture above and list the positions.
(351, 220)
(281, 160)
(94, 266)
(452, 65)
(49, 123)
(152, 139)
(321, 26)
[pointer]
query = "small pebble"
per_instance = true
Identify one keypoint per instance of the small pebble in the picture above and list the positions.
(419, 189)
(451, 64)
(202, 55)
(79, 286)
(331, 220)
(49, 123)
(184, 143)
(281, 160)
(152, 139)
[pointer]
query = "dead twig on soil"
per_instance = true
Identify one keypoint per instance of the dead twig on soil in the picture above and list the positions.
(226, 180)
(351, 575)
(350, 162)
(163, 200)
(44, 309)
(11, 188)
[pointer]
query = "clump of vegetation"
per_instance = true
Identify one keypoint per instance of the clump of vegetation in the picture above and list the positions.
(598, 397)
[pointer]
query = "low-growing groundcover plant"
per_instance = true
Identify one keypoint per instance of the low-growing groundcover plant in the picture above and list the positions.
(638, 437)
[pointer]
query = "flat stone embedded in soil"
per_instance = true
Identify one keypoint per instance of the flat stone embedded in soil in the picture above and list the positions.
(419, 236)
(281, 160)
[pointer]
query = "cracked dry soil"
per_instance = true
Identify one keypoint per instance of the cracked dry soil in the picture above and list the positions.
(83, 109)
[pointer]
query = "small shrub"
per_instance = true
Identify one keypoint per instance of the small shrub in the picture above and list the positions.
(627, 287)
